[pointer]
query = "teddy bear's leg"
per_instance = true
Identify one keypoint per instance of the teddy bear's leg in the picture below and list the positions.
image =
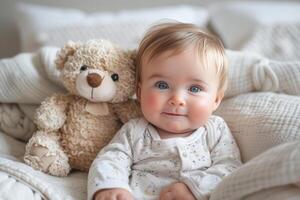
(43, 152)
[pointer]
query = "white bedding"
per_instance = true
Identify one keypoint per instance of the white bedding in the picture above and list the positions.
(248, 73)
(13, 189)
(25, 80)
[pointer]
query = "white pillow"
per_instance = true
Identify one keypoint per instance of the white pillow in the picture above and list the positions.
(279, 42)
(41, 25)
(235, 22)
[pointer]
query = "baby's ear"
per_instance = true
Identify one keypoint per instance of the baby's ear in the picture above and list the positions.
(218, 100)
(63, 54)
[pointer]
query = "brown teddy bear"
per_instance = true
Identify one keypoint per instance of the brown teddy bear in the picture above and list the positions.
(72, 128)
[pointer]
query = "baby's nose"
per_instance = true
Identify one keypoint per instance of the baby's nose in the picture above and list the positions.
(94, 79)
(177, 100)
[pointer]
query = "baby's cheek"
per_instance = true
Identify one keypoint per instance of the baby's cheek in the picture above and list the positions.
(200, 111)
(151, 101)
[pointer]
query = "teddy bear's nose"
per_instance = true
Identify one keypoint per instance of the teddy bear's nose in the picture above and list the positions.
(94, 80)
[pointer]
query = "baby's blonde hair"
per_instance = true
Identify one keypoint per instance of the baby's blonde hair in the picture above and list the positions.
(177, 37)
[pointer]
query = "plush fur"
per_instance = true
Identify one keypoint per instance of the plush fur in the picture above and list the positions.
(72, 128)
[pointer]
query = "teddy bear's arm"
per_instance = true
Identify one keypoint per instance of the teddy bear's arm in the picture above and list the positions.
(127, 110)
(51, 115)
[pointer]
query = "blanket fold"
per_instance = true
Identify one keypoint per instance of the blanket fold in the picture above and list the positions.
(15, 122)
(29, 77)
(276, 167)
(249, 72)
(72, 187)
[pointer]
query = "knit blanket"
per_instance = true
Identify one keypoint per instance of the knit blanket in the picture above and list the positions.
(27, 79)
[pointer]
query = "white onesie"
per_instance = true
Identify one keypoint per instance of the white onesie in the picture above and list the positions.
(138, 160)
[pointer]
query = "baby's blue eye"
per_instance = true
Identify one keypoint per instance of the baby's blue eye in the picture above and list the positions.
(161, 85)
(195, 89)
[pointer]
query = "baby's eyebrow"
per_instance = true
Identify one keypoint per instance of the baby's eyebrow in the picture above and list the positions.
(199, 81)
(157, 76)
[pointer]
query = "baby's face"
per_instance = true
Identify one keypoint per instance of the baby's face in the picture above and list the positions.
(178, 94)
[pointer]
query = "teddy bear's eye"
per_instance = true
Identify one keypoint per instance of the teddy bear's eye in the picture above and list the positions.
(115, 77)
(83, 68)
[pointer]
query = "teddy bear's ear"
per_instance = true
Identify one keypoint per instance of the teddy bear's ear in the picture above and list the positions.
(132, 54)
(63, 54)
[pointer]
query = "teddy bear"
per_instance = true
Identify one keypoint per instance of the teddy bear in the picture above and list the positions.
(73, 127)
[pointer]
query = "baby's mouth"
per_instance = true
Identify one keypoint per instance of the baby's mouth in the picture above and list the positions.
(173, 114)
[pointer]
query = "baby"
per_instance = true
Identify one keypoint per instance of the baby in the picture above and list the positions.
(178, 150)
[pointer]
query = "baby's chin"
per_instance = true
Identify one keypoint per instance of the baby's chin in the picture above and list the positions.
(176, 127)
(176, 131)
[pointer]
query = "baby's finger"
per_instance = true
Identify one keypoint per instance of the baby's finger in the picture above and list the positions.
(106, 197)
(166, 196)
(122, 197)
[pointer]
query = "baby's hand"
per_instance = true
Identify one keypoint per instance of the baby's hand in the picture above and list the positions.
(176, 191)
(113, 194)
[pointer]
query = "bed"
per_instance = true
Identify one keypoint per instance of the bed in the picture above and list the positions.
(261, 106)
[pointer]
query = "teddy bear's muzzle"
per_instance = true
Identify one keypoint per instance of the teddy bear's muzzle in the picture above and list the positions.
(94, 80)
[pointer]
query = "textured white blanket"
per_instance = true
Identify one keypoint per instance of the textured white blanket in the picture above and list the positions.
(29, 77)
(276, 167)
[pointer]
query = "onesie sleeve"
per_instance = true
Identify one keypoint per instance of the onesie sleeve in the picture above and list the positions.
(111, 168)
(225, 158)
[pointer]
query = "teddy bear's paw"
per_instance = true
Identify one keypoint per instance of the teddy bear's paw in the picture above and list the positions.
(54, 163)
(61, 166)
(50, 119)
(39, 158)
